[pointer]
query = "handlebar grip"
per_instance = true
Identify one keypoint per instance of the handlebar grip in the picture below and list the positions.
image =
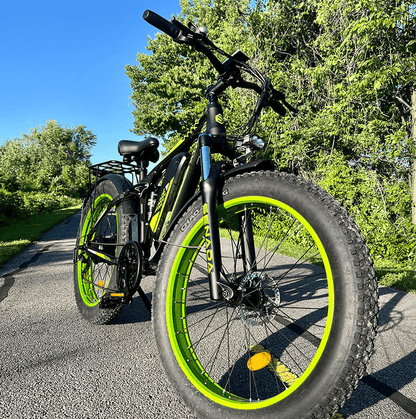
(161, 23)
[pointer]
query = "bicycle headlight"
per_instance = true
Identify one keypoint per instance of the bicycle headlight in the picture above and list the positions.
(249, 143)
(257, 142)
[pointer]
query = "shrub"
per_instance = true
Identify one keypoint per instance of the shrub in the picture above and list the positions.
(18, 205)
(380, 205)
(9, 207)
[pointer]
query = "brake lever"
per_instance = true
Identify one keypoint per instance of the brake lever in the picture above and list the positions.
(186, 36)
(200, 32)
(180, 25)
(189, 34)
(192, 35)
(273, 100)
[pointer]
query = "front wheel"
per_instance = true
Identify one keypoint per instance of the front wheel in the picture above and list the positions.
(296, 339)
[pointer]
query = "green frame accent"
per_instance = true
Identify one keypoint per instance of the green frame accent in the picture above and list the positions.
(154, 222)
(177, 292)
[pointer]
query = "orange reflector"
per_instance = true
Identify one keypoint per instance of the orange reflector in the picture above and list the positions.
(117, 294)
(100, 283)
(259, 361)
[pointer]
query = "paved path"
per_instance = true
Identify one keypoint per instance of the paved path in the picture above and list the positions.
(55, 365)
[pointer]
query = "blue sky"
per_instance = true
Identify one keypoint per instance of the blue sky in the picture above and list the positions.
(64, 60)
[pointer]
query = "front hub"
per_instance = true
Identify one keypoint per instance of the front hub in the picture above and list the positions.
(259, 298)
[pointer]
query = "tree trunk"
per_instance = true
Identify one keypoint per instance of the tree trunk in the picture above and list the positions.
(413, 182)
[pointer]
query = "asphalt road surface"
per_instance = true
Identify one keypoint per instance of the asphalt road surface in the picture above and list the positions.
(55, 365)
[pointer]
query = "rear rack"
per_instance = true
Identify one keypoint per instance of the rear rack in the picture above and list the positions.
(97, 171)
(112, 166)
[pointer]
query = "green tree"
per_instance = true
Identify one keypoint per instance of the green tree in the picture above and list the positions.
(351, 69)
(51, 158)
(348, 65)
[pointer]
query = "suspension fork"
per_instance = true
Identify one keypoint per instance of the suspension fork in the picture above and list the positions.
(219, 286)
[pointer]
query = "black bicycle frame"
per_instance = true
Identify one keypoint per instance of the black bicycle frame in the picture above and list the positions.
(210, 141)
(199, 167)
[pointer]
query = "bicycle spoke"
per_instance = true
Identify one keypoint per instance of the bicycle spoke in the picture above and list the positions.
(276, 311)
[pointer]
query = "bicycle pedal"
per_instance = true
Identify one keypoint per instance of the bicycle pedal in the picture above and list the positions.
(113, 299)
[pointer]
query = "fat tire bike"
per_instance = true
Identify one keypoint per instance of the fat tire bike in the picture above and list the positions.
(265, 303)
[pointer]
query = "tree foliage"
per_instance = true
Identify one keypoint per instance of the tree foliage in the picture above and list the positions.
(44, 170)
(49, 159)
(348, 65)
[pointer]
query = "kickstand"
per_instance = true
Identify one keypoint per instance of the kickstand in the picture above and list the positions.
(146, 301)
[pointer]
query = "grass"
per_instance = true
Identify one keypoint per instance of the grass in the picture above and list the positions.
(17, 236)
(399, 276)
(390, 273)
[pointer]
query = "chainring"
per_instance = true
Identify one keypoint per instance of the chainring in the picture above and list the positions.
(129, 268)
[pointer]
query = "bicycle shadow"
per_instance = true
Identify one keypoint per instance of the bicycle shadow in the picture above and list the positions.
(134, 313)
(388, 381)
(384, 382)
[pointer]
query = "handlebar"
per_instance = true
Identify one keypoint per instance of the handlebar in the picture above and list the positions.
(181, 34)
(162, 24)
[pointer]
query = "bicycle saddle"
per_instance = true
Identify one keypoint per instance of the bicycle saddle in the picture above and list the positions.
(145, 150)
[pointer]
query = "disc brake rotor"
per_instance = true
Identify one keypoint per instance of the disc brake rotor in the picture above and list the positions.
(260, 298)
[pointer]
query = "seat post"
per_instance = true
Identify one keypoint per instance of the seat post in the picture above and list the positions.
(142, 169)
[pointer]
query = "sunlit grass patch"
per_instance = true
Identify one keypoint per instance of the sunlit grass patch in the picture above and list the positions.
(389, 273)
(398, 276)
(17, 236)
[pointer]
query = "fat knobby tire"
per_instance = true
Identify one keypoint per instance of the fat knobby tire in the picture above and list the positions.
(351, 339)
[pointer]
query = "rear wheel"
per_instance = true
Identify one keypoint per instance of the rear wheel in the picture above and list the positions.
(92, 276)
(296, 339)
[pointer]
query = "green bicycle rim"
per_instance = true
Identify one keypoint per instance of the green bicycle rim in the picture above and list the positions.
(86, 287)
(177, 319)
